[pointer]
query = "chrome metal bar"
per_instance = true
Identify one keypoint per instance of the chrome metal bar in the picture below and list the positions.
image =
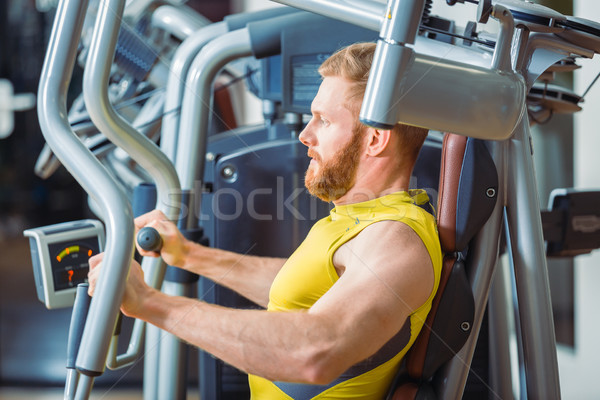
(139, 147)
(95, 91)
(196, 104)
(178, 71)
(93, 177)
(173, 357)
(502, 58)
(503, 349)
(181, 21)
(533, 288)
(84, 387)
(71, 384)
(394, 56)
(151, 362)
(368, 14)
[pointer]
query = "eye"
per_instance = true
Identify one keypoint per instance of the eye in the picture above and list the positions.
(324, 122)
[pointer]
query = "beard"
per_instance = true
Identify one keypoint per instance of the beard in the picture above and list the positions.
(338, 175)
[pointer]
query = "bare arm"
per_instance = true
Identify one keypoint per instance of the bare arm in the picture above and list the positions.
(388, 274)
(251, 276)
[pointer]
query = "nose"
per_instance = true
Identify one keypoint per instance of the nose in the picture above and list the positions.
(306, 137)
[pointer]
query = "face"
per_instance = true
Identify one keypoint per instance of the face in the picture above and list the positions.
(334, 142)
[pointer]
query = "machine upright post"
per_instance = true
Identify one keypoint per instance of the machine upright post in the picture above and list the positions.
(503, 333)
(391, 60)
(531, 271)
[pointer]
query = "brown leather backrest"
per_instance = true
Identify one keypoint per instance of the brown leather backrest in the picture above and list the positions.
(420, 362)
(415, 360)
(453, 151)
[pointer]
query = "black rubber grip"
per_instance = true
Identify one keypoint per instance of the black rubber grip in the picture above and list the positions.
(78, 318)
(149, 239)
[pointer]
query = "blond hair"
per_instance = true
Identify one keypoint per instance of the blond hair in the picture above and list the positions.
(354, 63)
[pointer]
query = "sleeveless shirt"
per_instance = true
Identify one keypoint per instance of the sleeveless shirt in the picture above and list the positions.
(309, 273)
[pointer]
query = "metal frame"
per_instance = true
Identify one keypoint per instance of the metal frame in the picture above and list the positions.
(87, 170)
(398, 60)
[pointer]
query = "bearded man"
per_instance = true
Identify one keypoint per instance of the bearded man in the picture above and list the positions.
(342, 311)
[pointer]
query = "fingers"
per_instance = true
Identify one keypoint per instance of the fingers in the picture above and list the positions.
(149, 218)
(95, 260)
(155, 219)
(173, 242)
(94, 272)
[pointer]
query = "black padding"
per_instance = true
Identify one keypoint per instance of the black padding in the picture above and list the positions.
(477, 192)
(144, 198)
(453, 321)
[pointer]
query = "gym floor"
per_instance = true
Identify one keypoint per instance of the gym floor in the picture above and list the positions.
(8, 393)
(57, 393)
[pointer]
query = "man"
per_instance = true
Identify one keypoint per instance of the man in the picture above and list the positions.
(345, 307)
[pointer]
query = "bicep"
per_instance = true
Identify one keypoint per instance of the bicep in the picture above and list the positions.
(388, 275)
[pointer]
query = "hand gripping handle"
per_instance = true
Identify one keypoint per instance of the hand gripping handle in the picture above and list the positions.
(149, 239)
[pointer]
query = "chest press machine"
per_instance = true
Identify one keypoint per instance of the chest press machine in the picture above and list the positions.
(461, 85)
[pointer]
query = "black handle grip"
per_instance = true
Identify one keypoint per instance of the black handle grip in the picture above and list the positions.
(149, 239)
(78, 317)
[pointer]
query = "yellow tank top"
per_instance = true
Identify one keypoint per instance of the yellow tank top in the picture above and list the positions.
(309, 273)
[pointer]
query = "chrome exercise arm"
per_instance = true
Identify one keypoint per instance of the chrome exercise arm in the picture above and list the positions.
(141, 149)
(95, 92)
(93, 177)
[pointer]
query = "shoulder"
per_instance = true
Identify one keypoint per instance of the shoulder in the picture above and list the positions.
(389, 235)
(389, 254)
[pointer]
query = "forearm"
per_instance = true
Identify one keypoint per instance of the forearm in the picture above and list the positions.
(277, 346)
(251, 276)
(248, 275)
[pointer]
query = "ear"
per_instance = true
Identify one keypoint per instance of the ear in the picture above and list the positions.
(377, 141)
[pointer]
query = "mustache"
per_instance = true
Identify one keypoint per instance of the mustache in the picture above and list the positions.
(313, 154)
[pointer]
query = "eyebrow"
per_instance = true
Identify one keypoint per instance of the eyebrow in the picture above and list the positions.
(315, 111)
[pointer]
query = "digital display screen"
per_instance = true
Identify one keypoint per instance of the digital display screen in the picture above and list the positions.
(69, 261)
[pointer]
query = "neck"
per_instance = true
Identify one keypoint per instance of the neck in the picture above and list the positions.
(374, 183)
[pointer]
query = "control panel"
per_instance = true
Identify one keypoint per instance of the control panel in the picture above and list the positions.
(60, 254)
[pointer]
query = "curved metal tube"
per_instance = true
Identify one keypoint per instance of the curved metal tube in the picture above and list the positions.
(115, 128)
(501, 60)
(180, 21)
(369, 14)
(197, 101)
(178, 70)
(95, 91)
(93, 177)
